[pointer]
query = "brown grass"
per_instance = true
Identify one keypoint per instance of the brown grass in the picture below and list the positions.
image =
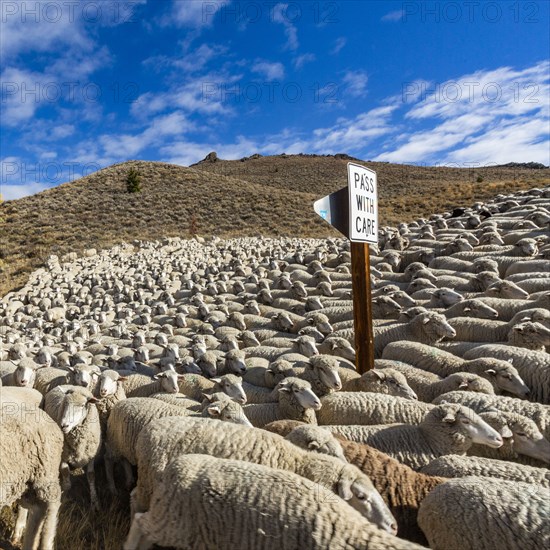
(269, 196)
(80, 528)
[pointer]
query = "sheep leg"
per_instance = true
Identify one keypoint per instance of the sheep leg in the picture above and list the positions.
(33, 528)
(90, 474)
(128, 474)
(135, 539)
(109, 473)
(50, 526)
(22, 514)
(65, 472)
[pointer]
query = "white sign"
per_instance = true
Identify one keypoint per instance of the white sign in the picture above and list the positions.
(363, 204)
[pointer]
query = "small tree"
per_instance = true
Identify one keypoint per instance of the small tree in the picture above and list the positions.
(479, 179)
(133, 181)
(193, 224)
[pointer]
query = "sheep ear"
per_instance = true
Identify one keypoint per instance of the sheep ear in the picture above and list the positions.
(379, 374)
(214, 410)
(333, 345)
(284, 386)
(207, 396)
(216, 380)
(463, 385)
(425, 321)
(467, 308)
(313, 445)
(492, 372)
(506, 432)
(376, 300)
(344, 487)
(71, 369)
(510, 360)
(92, 400)
(449, 418)
(122, 378)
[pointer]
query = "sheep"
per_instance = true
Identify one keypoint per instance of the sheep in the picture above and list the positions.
(48, 378)
(322, 372)
(401, 487)
(388, 381)
(428, 386)
(31, 448)
(296, 401)
(428, 328)
(74, 410)
(309, 521)
(369, 408)
(533, 366)
(311, 438)
(479, 402)
(507, 308)
(488, 330)
(521, 437)
(109, 391)
(332, 345)
(138, 385)
(195, 386)
(529, 335)
(473, 308)
(447, 428)
(477, 503)
(463, 466)
(165, 439)
(500, 372)
(22, 374)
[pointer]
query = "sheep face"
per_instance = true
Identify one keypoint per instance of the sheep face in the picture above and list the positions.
(528, 440)
(472, 425)
(507, 289)
(168, 381)
(74, 409)
(479, 310)
(391, 382)
(316, 439)
(232, 386)
(504, 376)
(328, 374)
(358, 491)
(301, 391)
(447, 296)
(306, 346)
(228, 411)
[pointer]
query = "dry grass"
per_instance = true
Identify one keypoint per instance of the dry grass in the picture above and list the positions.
(269, 196)
(80, 528)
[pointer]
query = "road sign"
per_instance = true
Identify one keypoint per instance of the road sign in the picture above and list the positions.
(353, 211)
(363, 204)
(334, 209)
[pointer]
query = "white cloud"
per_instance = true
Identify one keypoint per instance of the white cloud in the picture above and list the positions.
(393, 16)
(489, 116)
(301, 60)
(285, 15)
(194, 14)
(12, 192)
(338, 45)
(356, 83)
(270, 71)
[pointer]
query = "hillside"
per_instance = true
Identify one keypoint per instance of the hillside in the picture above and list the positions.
(260, 196)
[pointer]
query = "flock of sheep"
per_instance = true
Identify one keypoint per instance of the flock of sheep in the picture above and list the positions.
(222, 374)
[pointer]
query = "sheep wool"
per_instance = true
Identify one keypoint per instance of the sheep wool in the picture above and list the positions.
(195, 489)
(521, 508)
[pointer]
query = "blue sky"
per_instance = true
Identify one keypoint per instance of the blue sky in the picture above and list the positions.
(88, 84)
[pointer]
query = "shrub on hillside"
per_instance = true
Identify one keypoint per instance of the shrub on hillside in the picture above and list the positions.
(133, 181)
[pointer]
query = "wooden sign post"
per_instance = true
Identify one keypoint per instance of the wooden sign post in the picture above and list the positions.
(354, 212)
(362, 317)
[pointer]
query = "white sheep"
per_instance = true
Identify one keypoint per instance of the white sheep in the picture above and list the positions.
(306, 519)
(369, 408)
(499, 514)
(74, 410)
(447, 429)
(165, 439)
(31, 448)
(296, 402)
